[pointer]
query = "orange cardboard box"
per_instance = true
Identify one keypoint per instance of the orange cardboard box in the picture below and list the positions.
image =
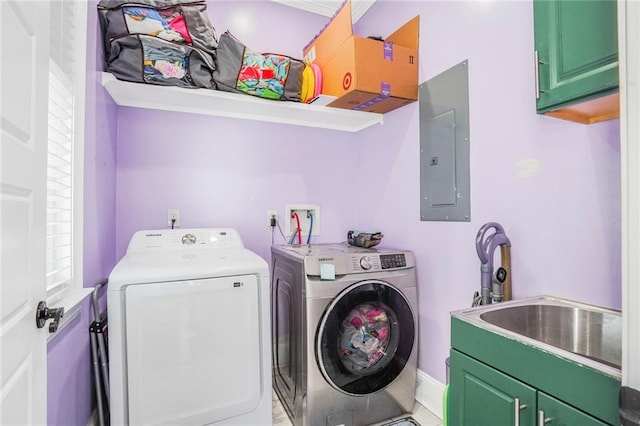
(366, 74)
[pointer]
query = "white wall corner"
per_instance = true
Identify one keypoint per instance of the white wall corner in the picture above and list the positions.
(429, 393)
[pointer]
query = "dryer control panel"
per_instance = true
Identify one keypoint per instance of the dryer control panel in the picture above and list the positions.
(185, 239)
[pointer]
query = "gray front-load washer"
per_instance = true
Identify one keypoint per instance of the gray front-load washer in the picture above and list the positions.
(345, 330)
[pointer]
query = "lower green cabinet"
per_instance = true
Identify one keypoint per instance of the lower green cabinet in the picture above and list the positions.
(480, 395)
(556, 413)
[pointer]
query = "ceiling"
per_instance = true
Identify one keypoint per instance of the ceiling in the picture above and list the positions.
(329, 7)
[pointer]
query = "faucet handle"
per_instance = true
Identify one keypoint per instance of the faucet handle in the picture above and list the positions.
(501, 275)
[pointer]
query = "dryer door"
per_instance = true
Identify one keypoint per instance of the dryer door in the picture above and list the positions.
(193, 350)
(365, 337)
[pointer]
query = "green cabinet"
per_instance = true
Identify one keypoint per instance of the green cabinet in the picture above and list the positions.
(498, 380)
(556, 413)
(484, 396)
(576, 46)
(480, 395)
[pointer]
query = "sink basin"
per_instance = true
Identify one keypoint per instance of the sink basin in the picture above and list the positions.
(593, 334)
(565, 327)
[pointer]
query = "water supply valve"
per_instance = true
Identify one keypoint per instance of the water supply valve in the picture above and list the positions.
(498, 284)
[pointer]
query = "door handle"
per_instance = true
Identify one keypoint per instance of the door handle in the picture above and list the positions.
(536, 71)
(43, 313)
(542, 420)
(517, 407)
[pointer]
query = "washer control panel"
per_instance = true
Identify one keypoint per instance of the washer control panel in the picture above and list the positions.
(376, 262)
(366, 263)
(397, 260)
(331, 261)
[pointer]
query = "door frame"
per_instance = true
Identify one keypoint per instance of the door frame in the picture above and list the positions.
(629, 46)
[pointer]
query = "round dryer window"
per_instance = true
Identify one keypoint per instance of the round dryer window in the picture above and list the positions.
(365, 337)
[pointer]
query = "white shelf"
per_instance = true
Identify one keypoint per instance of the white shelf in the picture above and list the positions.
(224, 104)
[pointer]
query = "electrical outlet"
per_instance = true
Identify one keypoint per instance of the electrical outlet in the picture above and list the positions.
(173, 214)
(308, 215)
(271, 214)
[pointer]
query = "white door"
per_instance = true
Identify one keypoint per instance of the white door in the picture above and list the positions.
(24, 50)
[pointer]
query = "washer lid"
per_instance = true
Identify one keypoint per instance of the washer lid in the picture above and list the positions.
(172, 255)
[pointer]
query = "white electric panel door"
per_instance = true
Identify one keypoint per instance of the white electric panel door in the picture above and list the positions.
(193, 350)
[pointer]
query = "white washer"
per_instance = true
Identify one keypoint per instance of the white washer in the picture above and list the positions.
(189, 331)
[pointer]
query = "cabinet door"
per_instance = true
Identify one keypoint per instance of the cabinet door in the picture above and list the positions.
(577, 47)
(552, 412)
(482, 396)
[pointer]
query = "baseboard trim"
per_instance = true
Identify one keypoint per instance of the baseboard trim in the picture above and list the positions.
(429, 393)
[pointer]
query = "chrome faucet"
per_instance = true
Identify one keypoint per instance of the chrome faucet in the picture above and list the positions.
(492, 289)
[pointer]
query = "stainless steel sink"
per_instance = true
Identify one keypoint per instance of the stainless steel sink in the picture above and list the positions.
(585, 333)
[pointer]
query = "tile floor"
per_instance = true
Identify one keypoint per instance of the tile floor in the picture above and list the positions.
(422, 415)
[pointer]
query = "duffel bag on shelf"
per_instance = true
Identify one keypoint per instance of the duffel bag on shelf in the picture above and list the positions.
(265, 75)
(147, 59)
(178, 21)
(163, 42)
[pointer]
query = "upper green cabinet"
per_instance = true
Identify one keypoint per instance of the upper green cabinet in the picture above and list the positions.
(576, 43)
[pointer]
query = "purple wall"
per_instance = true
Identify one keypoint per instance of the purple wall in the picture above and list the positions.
(100, 164)
(229, 172)
(552, 184)
(70, 387)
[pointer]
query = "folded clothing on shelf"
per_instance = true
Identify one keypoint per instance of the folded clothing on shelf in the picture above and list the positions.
(266, 75)
(164, 42)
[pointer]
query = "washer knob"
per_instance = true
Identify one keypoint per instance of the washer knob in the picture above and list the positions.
(365, 262)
